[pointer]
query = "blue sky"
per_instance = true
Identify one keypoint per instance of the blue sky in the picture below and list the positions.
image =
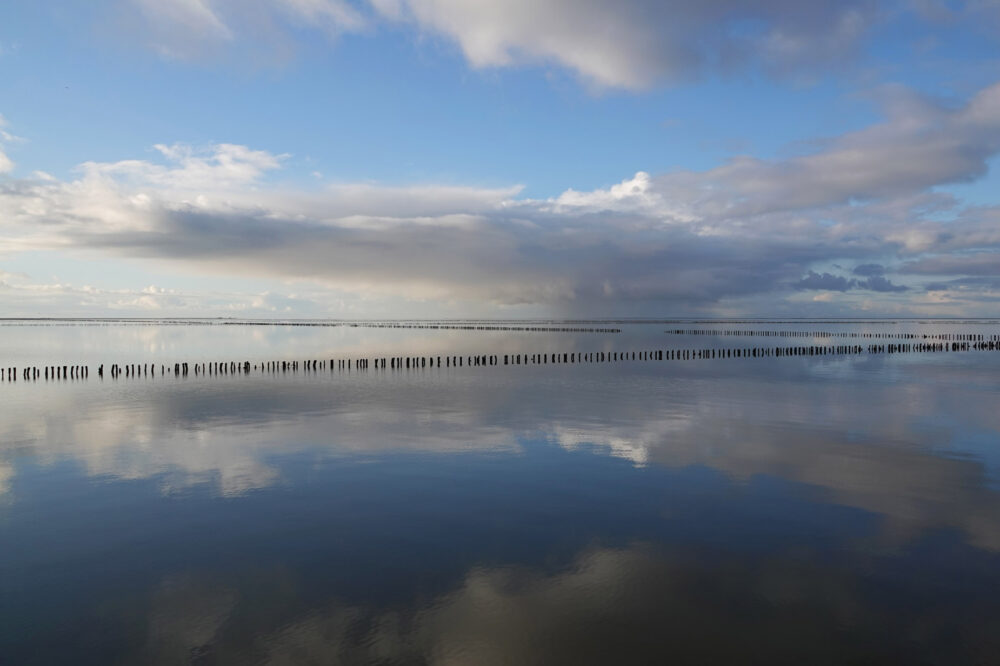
(469, 158)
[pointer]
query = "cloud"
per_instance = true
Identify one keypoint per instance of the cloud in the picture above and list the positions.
(221, 166)
(629, 44)
(178, 28)
(824, 281)
(879, 283)
(988, 285)
(196, 29)
(685, 241)
(6, 165)
(921, 144)
(830, 282)
(638, 194)
(632, 44)
(869, 270)
(638, 43)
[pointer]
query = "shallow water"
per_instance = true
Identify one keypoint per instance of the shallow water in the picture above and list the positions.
(797, 510)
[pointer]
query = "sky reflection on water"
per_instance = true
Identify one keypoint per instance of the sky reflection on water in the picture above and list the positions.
(809, 509)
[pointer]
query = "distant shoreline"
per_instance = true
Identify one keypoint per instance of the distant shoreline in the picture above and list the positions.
(445, 322)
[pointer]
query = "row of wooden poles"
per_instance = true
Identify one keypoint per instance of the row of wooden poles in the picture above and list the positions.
(46, 372)
(115, 371)
(750, 333)
(457, 327)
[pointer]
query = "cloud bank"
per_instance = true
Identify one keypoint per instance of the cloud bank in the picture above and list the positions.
(681, 241)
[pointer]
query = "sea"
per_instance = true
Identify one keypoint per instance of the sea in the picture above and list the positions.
(499, 492)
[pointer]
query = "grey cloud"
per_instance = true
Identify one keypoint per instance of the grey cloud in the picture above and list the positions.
(566, 259)
(638, 43)
(824, 281)
(629, 44)
(830, 282)
(869, 270)
(512, 253)
(921, 144)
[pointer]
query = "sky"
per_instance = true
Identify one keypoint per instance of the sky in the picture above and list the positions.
(475, 158)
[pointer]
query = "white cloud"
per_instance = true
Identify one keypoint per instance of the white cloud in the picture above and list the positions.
(222, 166)
(333, 15)
(637, 194)
(178, 26)
(6, 164)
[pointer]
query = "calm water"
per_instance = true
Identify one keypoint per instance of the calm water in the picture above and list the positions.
(793, 510)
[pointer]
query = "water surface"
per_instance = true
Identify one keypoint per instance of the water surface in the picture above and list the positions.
(797, 510)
